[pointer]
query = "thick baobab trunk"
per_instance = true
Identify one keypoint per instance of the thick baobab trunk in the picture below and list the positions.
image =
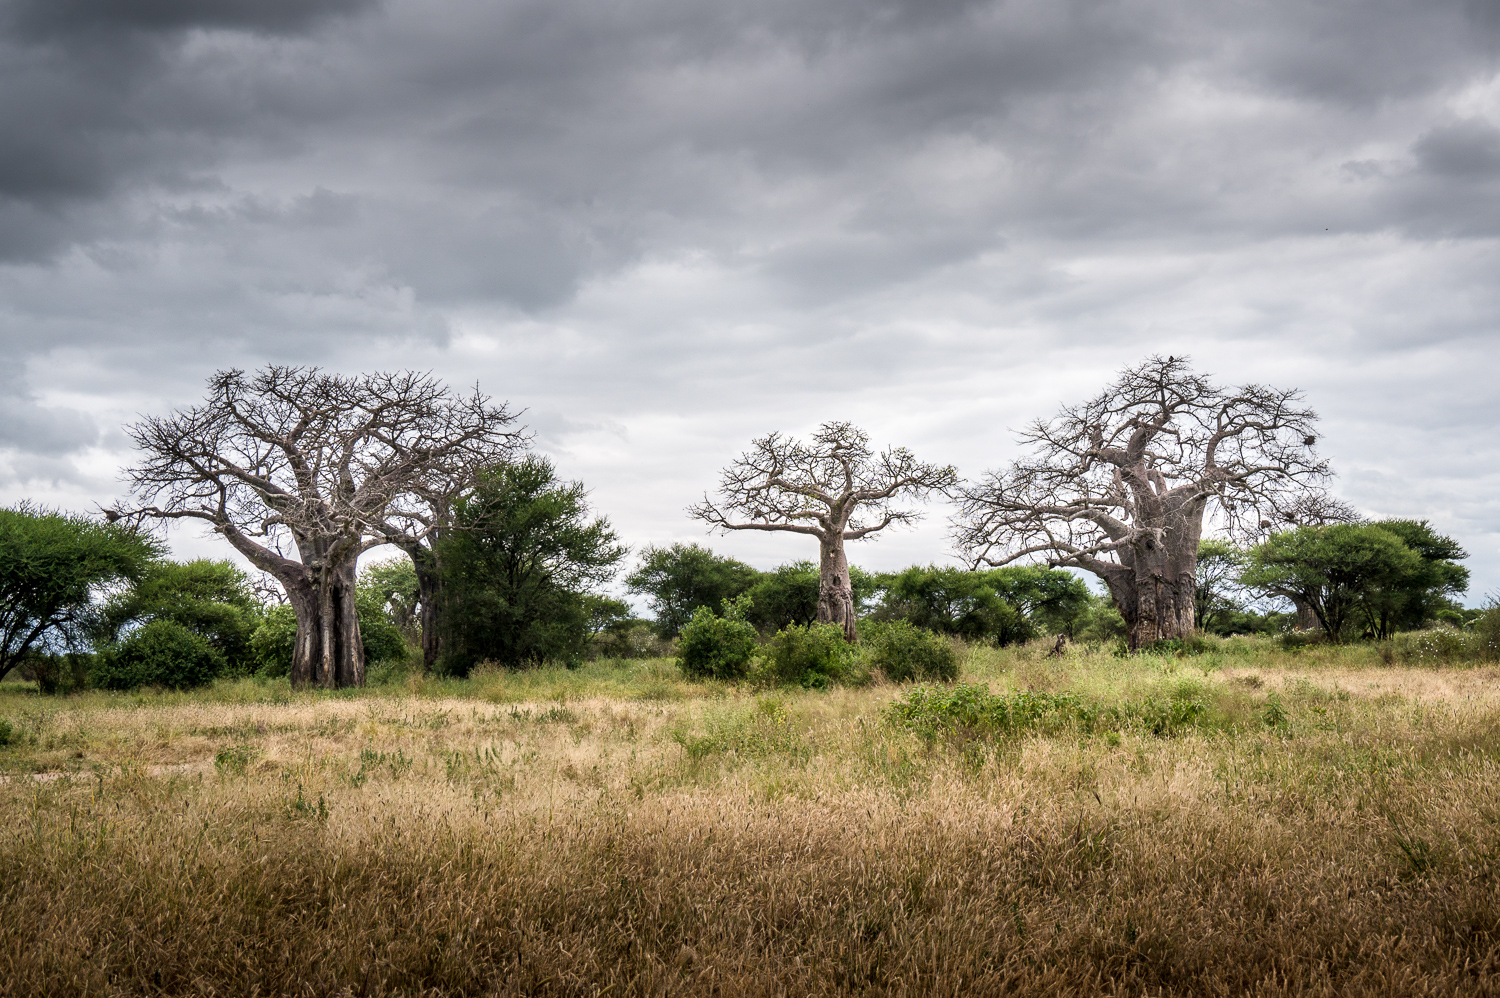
(329, 651)
(835, 592)
(1307, 617)
(429, 583)
(1155, 596)
(1163, 609)
(429, 587)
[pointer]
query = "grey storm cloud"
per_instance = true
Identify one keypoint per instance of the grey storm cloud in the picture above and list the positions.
(650, 211)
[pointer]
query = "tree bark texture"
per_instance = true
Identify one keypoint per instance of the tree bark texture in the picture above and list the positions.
(835, 591)
(329, 651)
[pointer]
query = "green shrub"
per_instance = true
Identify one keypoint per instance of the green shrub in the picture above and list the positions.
(1486, 640)
(274, 640)
(65, 673)
(904, 652)
(811, 656)
(7, 733)
(1197, 643)
(1434, 646)
(160, 653)
(714, 647)
(967, 710)
(1303, 639)
(629, 639)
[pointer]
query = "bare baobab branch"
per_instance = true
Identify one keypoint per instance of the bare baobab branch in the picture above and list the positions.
(1120, 486)
(326, 465)
(833, 488)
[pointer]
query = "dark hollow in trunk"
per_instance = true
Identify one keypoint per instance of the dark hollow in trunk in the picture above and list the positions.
(329, 651)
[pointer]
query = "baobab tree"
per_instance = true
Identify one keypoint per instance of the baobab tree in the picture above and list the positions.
(834, 488)
(325, 462)
(1120, 486)
(420, 518)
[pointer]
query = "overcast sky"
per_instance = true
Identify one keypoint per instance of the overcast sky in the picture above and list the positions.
(665, 227)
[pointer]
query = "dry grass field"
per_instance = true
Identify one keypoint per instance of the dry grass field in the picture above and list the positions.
(1317, 823)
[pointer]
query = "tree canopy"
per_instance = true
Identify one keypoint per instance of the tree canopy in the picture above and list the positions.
(1120, 485)
(55, 570)
(834, 488)
(524, 555)
(1360, 576)
(680, 578)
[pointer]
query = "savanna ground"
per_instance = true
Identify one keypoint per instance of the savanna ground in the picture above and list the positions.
(1309, 822)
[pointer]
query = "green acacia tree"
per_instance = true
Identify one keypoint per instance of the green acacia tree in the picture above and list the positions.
(522, 558)
(212, 599)
(1219, 566)
(678, 579)
(1339, 571)
(1002, 605)
(1416, 596)
(55, 569)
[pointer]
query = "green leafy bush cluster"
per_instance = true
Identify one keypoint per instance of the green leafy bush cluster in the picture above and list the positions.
(7, 733)
(1434, 646)
(629, 639)
(717, 647)
(812, 656)
(973, 711)
(159, 653)
(904, 653)
(1486, 630)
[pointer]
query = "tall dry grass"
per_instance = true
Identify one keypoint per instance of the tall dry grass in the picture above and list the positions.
(624, 833)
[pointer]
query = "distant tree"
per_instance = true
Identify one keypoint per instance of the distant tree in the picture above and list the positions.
(331, 465)
(1052, 599)
(519, 567)
(55, 570)
(211, 599)
(1338, 571)
(1120, 486)
(1003, 606)
(679, 579)
(392, 586)
(834, 488)
(789, 595)
(1216, 581)
(1418, 596)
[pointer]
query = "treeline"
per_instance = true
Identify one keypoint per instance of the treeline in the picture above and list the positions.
(522, 583)
(1001, 606)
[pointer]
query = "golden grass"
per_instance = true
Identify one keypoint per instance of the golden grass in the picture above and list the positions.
(618, 831)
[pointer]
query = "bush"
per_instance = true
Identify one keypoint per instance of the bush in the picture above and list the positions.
(160, 653)
(6, 733)
(904, 652)
(811, 656)
(629, 639)
(1486, 640)
(1434, 646)
(973, 711)
(714, 647)
(274, 640)
(65, 673)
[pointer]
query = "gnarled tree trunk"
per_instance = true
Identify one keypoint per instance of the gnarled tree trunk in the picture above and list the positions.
(429, 588)
(329, 651)
(835, 591)
(1154, 587)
